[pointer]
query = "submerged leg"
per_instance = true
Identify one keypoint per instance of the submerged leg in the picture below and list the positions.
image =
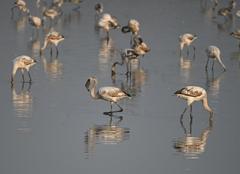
(22, 71)
(30, 79)
(206, 66)
(212, 64)
(183, 113)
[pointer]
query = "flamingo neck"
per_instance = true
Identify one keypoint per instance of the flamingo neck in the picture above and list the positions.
(206, 106)
(93, 92)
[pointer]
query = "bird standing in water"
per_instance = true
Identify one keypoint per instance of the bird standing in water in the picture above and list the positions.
(186, 40)
(192, 94)
(21, 5)
(236, 34)
(107, 22)
(24, 63)
(133, 27)
(108, 93)
(53, 38)
(213, 52)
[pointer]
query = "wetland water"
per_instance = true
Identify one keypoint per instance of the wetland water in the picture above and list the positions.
(53, 126)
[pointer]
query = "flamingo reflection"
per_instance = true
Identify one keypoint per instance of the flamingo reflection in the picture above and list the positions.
(213, 83)
(53, 67)
(192, 146)
(185, 67)
(110, 133)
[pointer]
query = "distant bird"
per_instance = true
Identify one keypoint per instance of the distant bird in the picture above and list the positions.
(51, 13)
(98, 8)
(140, 47)
(186, 40)
(133, 27)
(108, 93)
(213, 52)
(192, 94)
(22, 62)
(227, 11)
(21, 5)
(107, 22)
(53, 38)
(236, 34)
(35, 21)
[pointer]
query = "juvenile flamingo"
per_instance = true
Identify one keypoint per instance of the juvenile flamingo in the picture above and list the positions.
(22, 62)
(21, 5)
(193, 94)
(53, 38)
(107, 22)
(213, 52)
(186, 40)
(133, 27)
(108, 93)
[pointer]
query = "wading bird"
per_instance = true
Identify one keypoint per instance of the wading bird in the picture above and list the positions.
(35, 21)
(53, 38)
(22, 62)
(133, 27)
(107, 22)
(227, 12)
(21, 5)
(139, 46)
(236, 34)
(186, 40)
(213, 52)
(108, 93)
(192, 94)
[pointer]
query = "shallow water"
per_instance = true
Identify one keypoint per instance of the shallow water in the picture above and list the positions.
(53, 126)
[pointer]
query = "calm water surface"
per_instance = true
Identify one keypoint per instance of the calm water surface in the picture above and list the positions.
(53, 126)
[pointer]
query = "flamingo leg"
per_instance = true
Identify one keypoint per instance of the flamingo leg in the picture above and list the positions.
(22, 75)
(206, 66)
(212, 65)
(57, 51)
(183, 113)
(30, 79)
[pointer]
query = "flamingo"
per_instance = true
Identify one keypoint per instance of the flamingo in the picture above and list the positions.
(108, 93)
(98, 8)
(193, 94)
(214, 53)
(107, 22)
(21, 5)
(53, 38)
(133, 27)
(186, 40)
(22, 62)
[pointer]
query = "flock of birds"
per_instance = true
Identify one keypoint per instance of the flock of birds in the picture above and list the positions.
(138, 48)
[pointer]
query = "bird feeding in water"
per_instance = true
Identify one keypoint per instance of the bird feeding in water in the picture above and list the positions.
(107, 22)
(213, 52)
(53, 38)
(21, 5)
(24, 63)
(186, 40)
(108, 93)
(193, 94)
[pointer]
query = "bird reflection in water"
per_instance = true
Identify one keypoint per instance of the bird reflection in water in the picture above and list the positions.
(53, 67)
(110, 133)
(185, 67)
(192, 146)
(35, 46)
(213, 82)
(107, 52)
(21, 23)
(236, 56)
(22, 102)
(134, 79)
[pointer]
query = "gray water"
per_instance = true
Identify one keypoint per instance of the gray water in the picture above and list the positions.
(53, 125)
